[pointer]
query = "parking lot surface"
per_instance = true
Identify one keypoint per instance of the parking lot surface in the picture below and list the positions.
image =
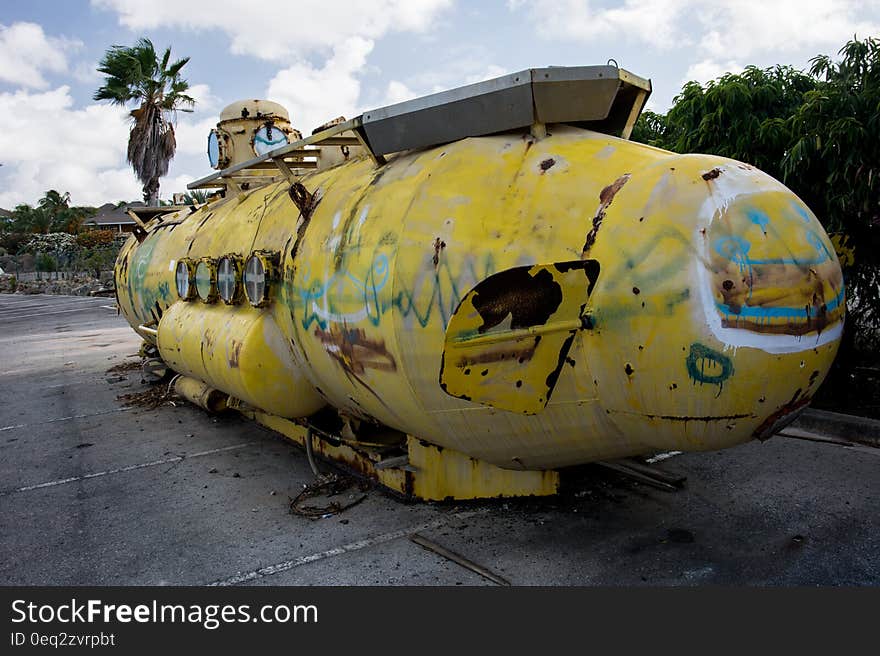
(100, 490)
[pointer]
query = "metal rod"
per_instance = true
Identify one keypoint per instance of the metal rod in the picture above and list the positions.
(638, 476)
(440, 550)
(309, 454)
(673, 479)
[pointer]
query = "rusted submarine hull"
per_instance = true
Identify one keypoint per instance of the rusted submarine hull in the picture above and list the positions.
(529, 303)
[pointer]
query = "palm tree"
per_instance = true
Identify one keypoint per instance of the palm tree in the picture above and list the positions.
(137, 74)
(56, 207)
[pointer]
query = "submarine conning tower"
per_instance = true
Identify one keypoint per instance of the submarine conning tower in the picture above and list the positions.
(248, 129)
(474, 288)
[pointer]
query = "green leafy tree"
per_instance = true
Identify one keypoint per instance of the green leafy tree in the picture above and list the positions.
(833, 162)
(59, 215)
(53, 213)
(28, 219)
(742, 116)
(819, 133)
(137, 74)
(651, 129)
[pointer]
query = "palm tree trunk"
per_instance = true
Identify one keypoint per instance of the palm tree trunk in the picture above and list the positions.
(151, 193)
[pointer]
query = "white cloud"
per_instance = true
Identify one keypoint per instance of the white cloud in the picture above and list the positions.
(709, 69)
(654, 22)
(751, 26)
(313, 95)
(206, 101)
(86, 72)
(719, 29)
(26, 52)
(397, 92)
(461, 65)
(327, 41)
(283, 30)
(491, 71)
(46, 144)
(192, 135)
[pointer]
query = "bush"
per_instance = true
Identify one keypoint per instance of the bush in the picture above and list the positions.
(56, 243)
(12, 242)
(95, 238)
(46, 262)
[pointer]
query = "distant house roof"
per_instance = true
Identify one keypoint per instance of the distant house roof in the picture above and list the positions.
(5, 213)
(109, 214)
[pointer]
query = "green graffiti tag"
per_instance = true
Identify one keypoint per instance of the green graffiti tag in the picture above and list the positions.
(706, 365)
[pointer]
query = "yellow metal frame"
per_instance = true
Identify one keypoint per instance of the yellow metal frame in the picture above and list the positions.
(433, 473)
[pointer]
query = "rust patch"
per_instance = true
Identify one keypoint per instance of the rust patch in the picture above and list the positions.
(354, 351)
(499, 355)
(711, 175)
(439, 245)
(305, 201)
(783, 417)
(699, 418)
(605, 197)
(234, 356)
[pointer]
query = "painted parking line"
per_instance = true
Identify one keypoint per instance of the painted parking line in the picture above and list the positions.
(14, 313)
(45, 314)
(53, 421)
(120, 470)
(243, 577)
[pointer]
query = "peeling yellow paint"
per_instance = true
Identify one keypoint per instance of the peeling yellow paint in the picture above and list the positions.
(380, 280)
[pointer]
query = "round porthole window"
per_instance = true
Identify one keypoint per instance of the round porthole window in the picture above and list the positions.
(256, 274)
(229, 279)
(184, 279)
(206, 280)
(214, 149)
(268, 138)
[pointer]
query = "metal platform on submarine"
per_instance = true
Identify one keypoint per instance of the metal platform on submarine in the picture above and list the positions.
(605, 99)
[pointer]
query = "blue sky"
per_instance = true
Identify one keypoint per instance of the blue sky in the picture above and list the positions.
(325, 58)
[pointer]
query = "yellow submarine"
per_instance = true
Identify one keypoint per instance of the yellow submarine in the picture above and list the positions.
(461, 294)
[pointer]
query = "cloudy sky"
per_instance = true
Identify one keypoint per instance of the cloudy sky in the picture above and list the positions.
(325, 58)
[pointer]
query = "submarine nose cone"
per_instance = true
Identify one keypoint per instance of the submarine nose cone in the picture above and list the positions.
(771, 279)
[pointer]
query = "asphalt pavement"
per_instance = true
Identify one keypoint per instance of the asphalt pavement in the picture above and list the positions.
(97, 490)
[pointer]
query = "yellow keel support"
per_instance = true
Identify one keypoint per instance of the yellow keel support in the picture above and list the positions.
(433, 473)
(443, 473)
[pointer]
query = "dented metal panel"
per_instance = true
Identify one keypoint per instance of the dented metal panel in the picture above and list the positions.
(510, 337)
